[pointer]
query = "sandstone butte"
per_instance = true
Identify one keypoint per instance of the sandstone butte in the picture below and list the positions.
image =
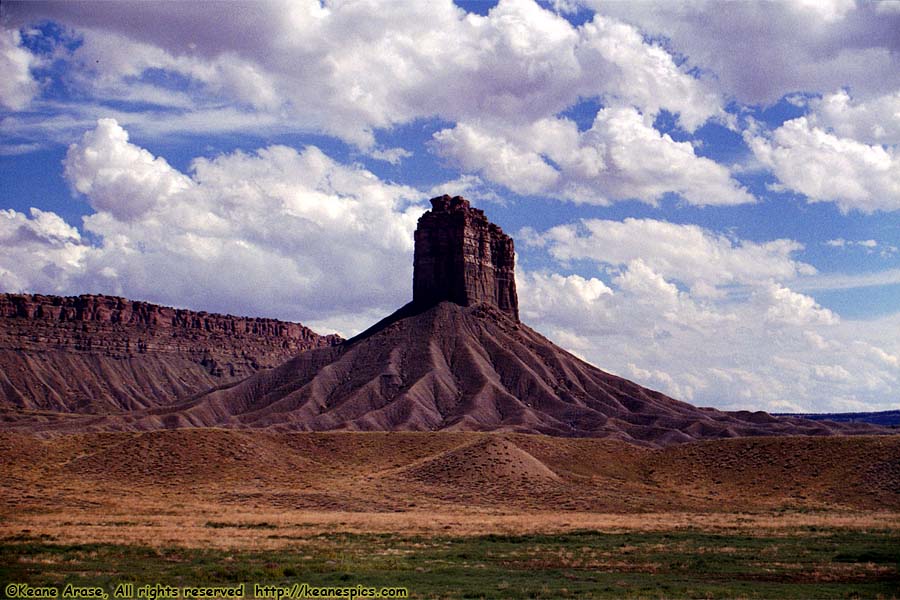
(456, 358)
(461, 257)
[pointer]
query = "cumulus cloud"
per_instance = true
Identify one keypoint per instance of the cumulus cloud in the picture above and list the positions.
(350, 69)
(759, 52)
(276, 232)
(17, 86)
(500, 160)
(119, 178)
(875, 121)
(110, 63)
(573, 300)
(844, 150)
(697, 257)
(622, 156)
(706, 318)
(827, 168)
(40, 251)
(791, 308)
(644, 75)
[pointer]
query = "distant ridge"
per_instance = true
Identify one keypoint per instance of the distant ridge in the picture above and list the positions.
(456, 358)
(103, 354)
(885, 418)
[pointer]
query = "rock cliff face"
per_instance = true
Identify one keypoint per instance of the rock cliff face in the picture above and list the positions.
(463, 258)
(98, 354)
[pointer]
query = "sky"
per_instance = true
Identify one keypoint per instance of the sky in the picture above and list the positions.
(704, 196)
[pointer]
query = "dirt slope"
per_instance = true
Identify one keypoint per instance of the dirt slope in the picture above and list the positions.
(393, 471)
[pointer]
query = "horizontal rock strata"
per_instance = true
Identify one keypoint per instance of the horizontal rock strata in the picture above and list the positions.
(95, 353)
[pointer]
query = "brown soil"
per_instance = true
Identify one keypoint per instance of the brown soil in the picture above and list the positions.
(132, 486)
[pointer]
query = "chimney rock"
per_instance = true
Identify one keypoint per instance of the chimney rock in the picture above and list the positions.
(462, 257)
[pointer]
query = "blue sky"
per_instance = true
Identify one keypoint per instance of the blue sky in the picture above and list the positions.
(705, 201)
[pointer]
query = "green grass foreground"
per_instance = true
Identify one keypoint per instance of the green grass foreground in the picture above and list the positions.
(810, 563)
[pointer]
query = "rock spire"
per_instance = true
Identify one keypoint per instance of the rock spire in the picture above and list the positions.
(462, 257)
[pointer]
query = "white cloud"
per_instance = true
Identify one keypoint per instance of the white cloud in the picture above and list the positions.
(687, 253)
(40, 251)
(390, 155)
(620, 157)
(17, 86)
(792, 308)
(869, 245)
(850, 281)
(119, 178)
(707, 319)
(828, 168)
(499, 160)
(844, 151)
(828, 11)
(888, 7)
(574, 300)
(277, 232)
(349, 69)
(16, 149)
(645, 75)
(471, 187)
(110, 62)
(704, 316)
(835, 373)
(759, 52)
(876, 121)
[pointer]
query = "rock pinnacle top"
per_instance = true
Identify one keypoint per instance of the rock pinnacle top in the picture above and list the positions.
(462, 257)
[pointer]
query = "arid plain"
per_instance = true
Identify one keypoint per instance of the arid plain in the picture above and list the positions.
(760, 517)
(162, 487)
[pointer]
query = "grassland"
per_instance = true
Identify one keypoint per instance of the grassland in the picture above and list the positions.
(808, 563)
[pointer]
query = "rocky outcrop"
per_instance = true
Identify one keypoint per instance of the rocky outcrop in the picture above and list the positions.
(95, 353)
(463, 258)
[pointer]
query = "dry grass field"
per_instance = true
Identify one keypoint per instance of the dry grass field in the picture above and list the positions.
(456, 514)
